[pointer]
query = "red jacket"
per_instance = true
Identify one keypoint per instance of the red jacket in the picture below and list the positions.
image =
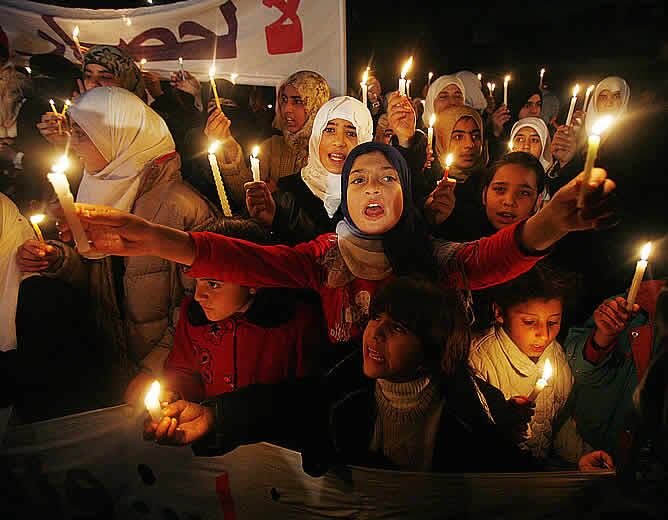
(485, 262)
(215, 358)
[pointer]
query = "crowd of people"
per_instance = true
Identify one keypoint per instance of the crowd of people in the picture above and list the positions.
(366, 303)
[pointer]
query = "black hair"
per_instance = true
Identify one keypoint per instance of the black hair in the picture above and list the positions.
(435, 315)
(522, 159)
(270, 307)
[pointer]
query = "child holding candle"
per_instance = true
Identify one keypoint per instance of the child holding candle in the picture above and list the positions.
(512, 354)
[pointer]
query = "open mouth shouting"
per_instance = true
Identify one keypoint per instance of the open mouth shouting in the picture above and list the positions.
(506, 216)
(374, 355)
(374, 210)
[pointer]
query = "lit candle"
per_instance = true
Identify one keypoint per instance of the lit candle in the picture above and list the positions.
(152, 402)
(542, 382)
(429, 78)
(255, 163)
(212, 76)
(540, 83)
(506, 80)
(55, 112)
(590, 89)
(220, 187)
(67, 105)
(493, 87)
(490, 89)
(142, 62)
(181, 68)
(233, 78)
(510, 145)
(449, 159)
(637, 277)
(34, 221)
(408, 88)
(402, 79)
(365, 78)
(574, 100)
(594, 141)
(75, 38)
(430, 133)
(29, 70)
(480, 77)
(62, 188)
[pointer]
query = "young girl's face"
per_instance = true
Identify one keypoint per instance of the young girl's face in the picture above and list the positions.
(532, 107)
(390, 350)
(609, 102)
(466, 143)
(338, 138)
(375, 198)
(220, 300)
(527, 140)
(511, 196)
(98, 76)
(82, 145)
(532, 325)
(292, 110)
(450, 96)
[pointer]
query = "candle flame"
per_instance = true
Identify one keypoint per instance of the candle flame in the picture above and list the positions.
(37, 218)
(510, 145)
(449, 159)
(270, 106)
(365, 76)
(75, 32)
(214, 146)
(547, 370)
(493, 86)
(51, 102)
(255, 151)
(431, 75)
(29, 70)
(576, 89)
(143, 61)
(407, 67)
(602, 124)
(542, 72)
(233, 77)
(432, 120)
(506, 80)
(489, 86)
(153, 395)
(180, 60)
(61, 165)
(646, 250)
(68, 103)
(212, 72)
(589, 89)
(479, 76)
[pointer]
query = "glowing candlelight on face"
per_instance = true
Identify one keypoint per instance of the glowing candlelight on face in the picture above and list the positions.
(542, 73)
(430, 133)
(590, 89)
(212, 76)
(218, 179)
(429, 78)
(594, 141)
(402, 79)
(34, 221)
(181, 68)
(365, 78)
(449, 159)
(255, 163)
(542, 382)
(638, 276)
(152, 402)
(506, 80)
(574, 100)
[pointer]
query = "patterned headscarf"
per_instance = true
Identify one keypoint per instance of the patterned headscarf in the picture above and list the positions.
(314, 91)
(120, 64)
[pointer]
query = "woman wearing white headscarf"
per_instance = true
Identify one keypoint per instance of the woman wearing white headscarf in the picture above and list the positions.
(611, 97)
(446, 91)
(473, 97)
(307, 205)
(531, 135)
(130, 163)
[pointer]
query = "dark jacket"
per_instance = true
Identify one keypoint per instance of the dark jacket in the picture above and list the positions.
(331, 421)
(415, 156)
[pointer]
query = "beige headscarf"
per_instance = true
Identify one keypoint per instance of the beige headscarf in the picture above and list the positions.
(11, 99)
(445, 124)
(314, 91)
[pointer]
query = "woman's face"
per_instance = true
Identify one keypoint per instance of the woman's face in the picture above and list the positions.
(608, 102)
(338, 138)
(82, 145)
(220, 300)
(466, 143)
(527, 140)
(98, 76)
(293, 111)
(390, 350)
(532, 107)
(511, 196)
(375, 198)
(450, 96)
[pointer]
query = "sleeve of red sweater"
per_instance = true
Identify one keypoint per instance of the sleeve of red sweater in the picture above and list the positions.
(245, 263)
(486, 262)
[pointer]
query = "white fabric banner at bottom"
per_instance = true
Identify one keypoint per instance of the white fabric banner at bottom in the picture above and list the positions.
(96, 465)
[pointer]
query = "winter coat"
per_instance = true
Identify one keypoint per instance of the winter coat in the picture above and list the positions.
(136, 299)
(501, 363)
(331, 421)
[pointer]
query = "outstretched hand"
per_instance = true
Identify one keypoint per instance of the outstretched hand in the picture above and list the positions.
(183, 422)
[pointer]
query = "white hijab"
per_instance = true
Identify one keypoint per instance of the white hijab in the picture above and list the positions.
(435, 89)
(613, 84)
(14, 230)
(541, 129)
(128, 134)
(323, 184)
(473, 96)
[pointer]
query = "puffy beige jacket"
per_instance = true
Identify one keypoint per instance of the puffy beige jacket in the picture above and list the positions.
(139, 328)
(501, 363)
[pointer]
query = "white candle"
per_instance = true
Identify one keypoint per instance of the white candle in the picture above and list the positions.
(218, 179)
(365, 78)
(590, 89)
(255, 163)
(542, 382)
(34, 221)
(402, 79)
(430, 133)
(506, 80)
(62, 188)
(540, 83)
(449, 159)
(181, 77)
(592, 150)
(212, 76)
(574, 100)
(429, 78)
(480, 78)
(75, 37)
(641, 266)
(67, 105)
(29, 70)
(152, 402)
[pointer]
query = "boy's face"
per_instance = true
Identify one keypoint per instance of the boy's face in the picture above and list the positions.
(220, 300)
(511, 196)
(375, 198)
(532, 325)
(390, 350)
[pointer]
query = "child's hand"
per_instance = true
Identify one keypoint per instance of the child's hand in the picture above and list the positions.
(217, 125)
(48, 127)
(516, 424)
(441, 202)
(596, 461)
(183, 422)
(402, 118)
(499, 118)
(564, 144)
(34, 256)
(260, 203)
(611, 318)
